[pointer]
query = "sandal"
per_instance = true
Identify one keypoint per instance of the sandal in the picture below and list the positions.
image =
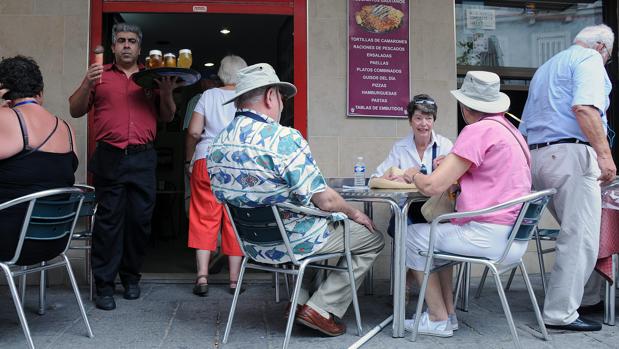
(201, 289)
(231, 289)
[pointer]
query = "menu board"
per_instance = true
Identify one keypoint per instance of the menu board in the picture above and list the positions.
(378, 59)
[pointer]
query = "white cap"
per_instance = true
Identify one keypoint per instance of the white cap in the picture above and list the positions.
(154, 52)
(169, 55)
(185, 50)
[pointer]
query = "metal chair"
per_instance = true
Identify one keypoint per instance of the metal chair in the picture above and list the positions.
(50, 219)
(264, 226)
(88, 210)
(533, 205)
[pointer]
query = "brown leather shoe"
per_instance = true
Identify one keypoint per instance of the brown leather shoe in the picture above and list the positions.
(287, 310)
(312, 319)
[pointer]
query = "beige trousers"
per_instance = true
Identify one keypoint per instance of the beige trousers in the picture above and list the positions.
(571, 169)
(333, 294)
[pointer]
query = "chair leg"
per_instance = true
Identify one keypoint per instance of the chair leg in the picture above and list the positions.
(237, 292)
(287, 283)
(422, 296)
(293, 305)
(276, 276)
(508, 313)
(481, 283)
(78, 298)
(353, 290)
(540, 258)
(42, 295)
(466, 287)
(538, 314)
(22, 287)
(391, 269)
(511, 278)
(458, 283)
(18, 305)
(88, 271)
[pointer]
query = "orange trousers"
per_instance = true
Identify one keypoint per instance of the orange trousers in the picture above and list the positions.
(207, 216)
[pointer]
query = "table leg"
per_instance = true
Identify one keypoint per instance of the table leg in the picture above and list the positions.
(399, 261)
(369, 277)
(609, 304)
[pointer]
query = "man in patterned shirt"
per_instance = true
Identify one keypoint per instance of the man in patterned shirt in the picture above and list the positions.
(256, 162)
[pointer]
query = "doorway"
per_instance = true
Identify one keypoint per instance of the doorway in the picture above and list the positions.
(258, 33)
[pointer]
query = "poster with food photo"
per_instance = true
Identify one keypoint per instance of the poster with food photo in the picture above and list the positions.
(378, 58)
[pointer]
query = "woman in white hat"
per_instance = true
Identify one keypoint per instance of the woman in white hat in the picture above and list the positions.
(490, 160)
(206, 216)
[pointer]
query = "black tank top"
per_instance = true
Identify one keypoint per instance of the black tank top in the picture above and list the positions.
(26, 172)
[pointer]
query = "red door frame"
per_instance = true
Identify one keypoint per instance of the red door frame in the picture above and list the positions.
(295, 8)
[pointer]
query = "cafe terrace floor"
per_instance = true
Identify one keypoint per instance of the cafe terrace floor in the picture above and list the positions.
(170, 316)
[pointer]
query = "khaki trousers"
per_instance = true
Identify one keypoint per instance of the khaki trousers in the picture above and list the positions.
(571, 169)
(333, 294)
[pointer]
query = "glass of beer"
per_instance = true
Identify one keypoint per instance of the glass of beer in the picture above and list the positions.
(156, 59)
(169, 60)
(184, 58)
(147, 62)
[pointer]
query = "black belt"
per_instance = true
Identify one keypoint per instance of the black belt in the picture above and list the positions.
(560, 141)
(130, 149)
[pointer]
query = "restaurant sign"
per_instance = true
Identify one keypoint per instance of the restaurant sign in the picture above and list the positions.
(378, 58)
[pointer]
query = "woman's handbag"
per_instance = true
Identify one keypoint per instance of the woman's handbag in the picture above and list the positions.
(439, 204)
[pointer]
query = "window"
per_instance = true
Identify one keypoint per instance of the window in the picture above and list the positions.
(517, 33)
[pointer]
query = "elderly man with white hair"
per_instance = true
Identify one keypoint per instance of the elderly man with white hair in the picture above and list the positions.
(565, 123)
(255, 161)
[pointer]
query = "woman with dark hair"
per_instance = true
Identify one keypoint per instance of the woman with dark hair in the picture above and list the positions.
(36, 148)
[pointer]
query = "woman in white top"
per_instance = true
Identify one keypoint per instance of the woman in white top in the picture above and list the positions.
(421, 149)
(206, 216)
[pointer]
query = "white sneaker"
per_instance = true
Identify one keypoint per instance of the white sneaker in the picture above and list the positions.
(453, 321)
(429, 327)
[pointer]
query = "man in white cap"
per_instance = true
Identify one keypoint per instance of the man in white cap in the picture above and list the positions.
(564, 120)
(256, 162)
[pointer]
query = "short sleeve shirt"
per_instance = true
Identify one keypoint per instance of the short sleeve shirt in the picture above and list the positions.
(575, 76)
(499, 171)
(255, 163)
(216, 117)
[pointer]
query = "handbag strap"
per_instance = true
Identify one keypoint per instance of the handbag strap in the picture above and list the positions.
(526, 154)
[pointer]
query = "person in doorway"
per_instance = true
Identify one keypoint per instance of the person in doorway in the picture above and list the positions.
(208, 80)
(37, 152)
(124, 162)
(273, 164)
(564, 120)
(206, 216)
(490, 160)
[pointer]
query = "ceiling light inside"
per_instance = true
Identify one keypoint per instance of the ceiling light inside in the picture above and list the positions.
(225, 31)
(209, 64)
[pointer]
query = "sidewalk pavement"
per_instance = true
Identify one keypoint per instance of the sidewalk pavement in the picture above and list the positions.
(170, 316)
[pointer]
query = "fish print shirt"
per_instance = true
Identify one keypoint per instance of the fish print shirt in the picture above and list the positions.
(259, 162)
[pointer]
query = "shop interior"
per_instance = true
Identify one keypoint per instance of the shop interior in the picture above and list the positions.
(256, 38)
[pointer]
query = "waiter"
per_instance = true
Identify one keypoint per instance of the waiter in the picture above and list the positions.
(124, 162)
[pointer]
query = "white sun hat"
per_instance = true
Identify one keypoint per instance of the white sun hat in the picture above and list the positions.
(480, 91)
(260, 75)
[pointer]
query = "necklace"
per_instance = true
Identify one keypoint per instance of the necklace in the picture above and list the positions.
(30, 101)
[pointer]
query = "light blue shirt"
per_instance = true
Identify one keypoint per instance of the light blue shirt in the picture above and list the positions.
(575, 76)
(257, 163)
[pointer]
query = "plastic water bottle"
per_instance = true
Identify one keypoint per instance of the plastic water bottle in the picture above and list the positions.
(359, 173)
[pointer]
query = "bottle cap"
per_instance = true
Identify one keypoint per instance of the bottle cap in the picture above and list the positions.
(185, 50)
(154, 52)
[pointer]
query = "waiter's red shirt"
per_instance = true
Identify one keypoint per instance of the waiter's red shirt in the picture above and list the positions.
(123, 114)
